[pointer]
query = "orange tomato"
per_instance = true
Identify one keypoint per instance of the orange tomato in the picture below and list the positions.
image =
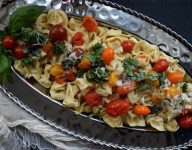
(48, 49)
(126, 87)
(108, 55)
(172, 92)
(141, 110)
(175, 77)
(89, 23)
(84, 64)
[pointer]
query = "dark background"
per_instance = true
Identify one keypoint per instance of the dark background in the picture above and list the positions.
(175, 14)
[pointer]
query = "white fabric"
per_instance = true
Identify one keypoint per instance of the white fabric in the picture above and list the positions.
(12, 115)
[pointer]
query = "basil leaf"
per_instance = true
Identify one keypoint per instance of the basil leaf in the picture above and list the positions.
(4, 63)
(98, 48)
(144, 86)
(24, 17)
(2, 34)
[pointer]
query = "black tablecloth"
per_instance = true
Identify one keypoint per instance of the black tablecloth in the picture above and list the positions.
(175, 14)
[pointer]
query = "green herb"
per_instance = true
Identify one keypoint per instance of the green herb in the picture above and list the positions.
(5, 65)
(155, 109)
(140, 76)
(59, 48)
(95, 56)
(144, 86)
(98, 74)
(33, 55)
(185, 87)
(2, 34)
(98, 49)
(70, 62)
(129, 64)
(162, 78)
(31, 36)
(80, 73)
(24, 17)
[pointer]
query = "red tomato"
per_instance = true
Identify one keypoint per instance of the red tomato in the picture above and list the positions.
(70, 75)
(127, 46)
(117, 107)
(161, 65)
(89, 23)
(108, 55)
(18, 52)
(93, 99)
(77, 39)
(185, 121)
(58, 33)
(126, 87)
(9, 42)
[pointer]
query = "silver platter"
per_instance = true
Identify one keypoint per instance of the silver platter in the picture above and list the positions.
(53, 113)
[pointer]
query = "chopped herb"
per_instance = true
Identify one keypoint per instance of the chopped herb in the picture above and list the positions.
(98, 48)
(2, 34)
(80, 73)
(95, 56)
(31, 36)
(140, 76)
(98, 74)
(162, 78)
(59, 48)
(70, 62)
(144, 86)
(33, 55)
(155, 109)
(184, 88)
(128, 65)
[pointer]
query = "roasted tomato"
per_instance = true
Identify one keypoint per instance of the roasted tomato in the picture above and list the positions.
(93, 99)
(175, 77)
(127, 46)
(70, 75)
(58, 33)
(161, 65)
(18, 52)
(117, 107)
(108, 55)
(185, 121)
(141, 110)
(126, 87)
(9, 42)
(77, 39)
(89, 23)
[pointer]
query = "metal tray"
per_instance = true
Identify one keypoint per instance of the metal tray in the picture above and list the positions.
(53, 113)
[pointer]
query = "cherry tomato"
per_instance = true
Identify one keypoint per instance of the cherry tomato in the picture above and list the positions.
(9, 42)
(175, 77)
(77, 39)
(126, 87)
(18, 52)
(108, 55)
(85, 64)
(141, 110)
(58, 33)
(89, 23)
(161, 65)
(56, 70)
(93, 99)
(127, 46)
(185, 121)
(59, 79)
(48, 49)
(70, 75)
(117, 107)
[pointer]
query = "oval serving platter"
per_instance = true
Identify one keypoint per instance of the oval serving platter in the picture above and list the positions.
(81, 126)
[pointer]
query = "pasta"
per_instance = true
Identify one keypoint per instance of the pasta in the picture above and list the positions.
(104, 72)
